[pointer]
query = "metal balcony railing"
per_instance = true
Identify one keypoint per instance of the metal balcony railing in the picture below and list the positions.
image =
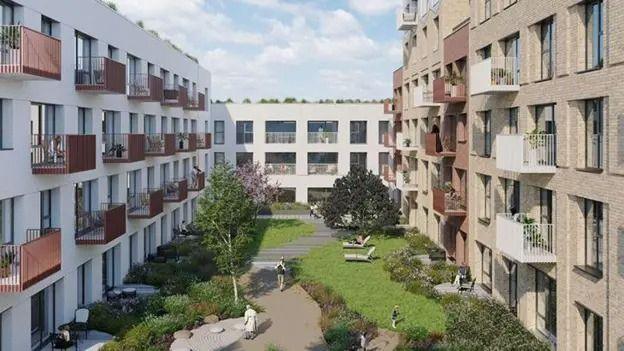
(280, 168)
(322, 168)
(123, 147)
(525, 240)
(322, 137)
(280, 137)
(160, 144)
(175, 190)
(28, 53)
(102, 226)
(146, 204)
(100, 74)
(61, 154)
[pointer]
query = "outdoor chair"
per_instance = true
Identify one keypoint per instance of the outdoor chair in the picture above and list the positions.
(81, 319)
(368, 257)
(468, 287)
(353, 245)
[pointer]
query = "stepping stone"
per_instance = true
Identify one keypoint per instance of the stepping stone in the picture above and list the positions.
(182, 334)
(216, 330)
(212, 319)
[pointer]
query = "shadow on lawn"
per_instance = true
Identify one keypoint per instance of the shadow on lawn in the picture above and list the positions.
(262, 227)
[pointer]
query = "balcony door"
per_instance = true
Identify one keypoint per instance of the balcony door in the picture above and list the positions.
(546, 305)
(45, 209)
(134, 182)
(42, 315)
(6, 14)
(512, 196)
(545, 123)
(512, 51)
(84, 59)
(546, 206)
(149, 124)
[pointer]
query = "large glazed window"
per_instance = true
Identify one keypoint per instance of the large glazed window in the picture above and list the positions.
(594, 235)
(219, 130)
(546, 304)
(594, 33)
(546, 49)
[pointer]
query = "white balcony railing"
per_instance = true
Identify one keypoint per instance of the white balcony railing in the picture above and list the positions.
(322, 168)
(423, 97)
(527, 153)
(525, 241)
(322, 137)
(281, 137)
(495, 75)
(280, 168)
(406, 19)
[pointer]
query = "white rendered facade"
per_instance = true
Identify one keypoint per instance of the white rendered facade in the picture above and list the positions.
(58, 107)
(290, 150)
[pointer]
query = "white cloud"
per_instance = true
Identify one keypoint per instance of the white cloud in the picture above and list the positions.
(374, 7)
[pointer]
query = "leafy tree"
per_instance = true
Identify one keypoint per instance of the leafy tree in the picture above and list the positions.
(226, 215)
(246, 101)
(111, 4)
(140, 24)
(290, 100)
(256, 183)
(360, 200)
(229, 101)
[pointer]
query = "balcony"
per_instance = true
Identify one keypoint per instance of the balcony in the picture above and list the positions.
(495, 75)
(523, 240)
(145, 87)
(448, 202)
(146, 204)
(393, 106)
(101, 227)
(62, 154)
(322, 137)
(197, 182)
(186, 142)
(27, 264)
(29, 55)
(423, 97)
(280, 168)
(123, 148)
(528, 153)
(322, 168)
(204, 141)
(100, 75)
(175, 191)
(388, 140)
(280, 137)
(406, 20)
(433, 144)
(196, 102)
(448, 91)
(407, 182)
(175, 96)
(160, 144)
(388, 174)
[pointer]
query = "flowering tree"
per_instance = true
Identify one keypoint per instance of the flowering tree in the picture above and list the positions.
(257, 185)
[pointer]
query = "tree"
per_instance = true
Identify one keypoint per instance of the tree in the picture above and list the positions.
(360, 200)
(111, 4)
(226, 216)
(246, 101)
(290, 100)
(257, 185)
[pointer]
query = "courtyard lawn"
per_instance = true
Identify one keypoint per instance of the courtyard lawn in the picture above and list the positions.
(272, 233)
(367, 288)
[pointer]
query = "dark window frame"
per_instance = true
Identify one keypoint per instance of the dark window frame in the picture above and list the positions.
(487, 133)
(219, 133)
(597, 37)
(358, 136)
(546, 47)
(243, 135)
(597, 240)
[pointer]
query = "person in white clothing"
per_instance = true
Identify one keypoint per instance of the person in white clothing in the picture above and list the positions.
(251, 322)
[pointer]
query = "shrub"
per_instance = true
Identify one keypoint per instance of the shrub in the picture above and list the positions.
(405, 267)
(105, 317)
(219, 292)
(475, 324)
(420, 243)
(338, 337)
(442, 272)
(177, 304)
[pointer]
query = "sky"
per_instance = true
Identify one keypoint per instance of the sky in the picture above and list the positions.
(312, 49)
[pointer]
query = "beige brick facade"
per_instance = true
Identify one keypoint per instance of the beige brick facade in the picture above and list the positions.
(589, 165)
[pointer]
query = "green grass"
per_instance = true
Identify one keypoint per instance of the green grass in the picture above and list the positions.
(367, 288)
(272, 233)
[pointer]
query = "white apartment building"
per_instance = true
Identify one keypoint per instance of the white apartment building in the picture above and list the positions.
(100, 124)
(304, 147)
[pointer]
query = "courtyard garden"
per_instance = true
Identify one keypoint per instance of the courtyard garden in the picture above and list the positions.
(272, 233)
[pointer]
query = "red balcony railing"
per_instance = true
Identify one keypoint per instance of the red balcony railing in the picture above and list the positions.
(62, 154)
(175, 96)
(146, 204)
(26, 53)
(433, 145)
(22, 266)
(186, 142)
(101, 227)
(448, 91)
(100, 75)
(388, 139)
(448, 202)
(175, 191)
(196, 182)
(121, 148)
(204, 141)
(196, 102)
(139, 86)
(388, 173)
(160, 144)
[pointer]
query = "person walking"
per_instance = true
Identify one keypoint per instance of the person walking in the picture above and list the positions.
(395, 316)
(251, 322)
(281, 271)
(363, 341)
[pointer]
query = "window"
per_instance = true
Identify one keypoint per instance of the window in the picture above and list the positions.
(112, 52)
(593, 330)
(462, 134)
(512, 53)
(384, 159)
(487, 9)
(83, 284)
(546, 48)
(316, 195)
(594, 229)
(486, 267)
(594, 33)
(243, 158)
(486, 52)
(512, 122)
(512, 276)
(436, 27)
(486, 181)
(244, 132)
(47, 25)
(511, 189)
(322, 163)
(219, 130)
(281, 132)
(384, 127)
(287, 195)
(546, 304)
(593, 133)
(7, 221)
(358, 159)
(219, 158)
(322, 132)
(6, 13)
(3, 127)
(487, 133)
(358, 132)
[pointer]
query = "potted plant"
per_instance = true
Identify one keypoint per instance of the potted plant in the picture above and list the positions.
(181, 138)
(407, 142)
(532, 233)
(5, 264)
(118, 150)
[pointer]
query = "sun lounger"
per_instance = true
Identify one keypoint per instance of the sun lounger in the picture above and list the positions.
(368, 257)
(353, 245)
